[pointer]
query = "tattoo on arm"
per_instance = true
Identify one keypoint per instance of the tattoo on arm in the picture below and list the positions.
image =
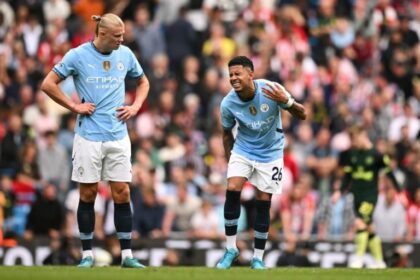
(298, 111)
(228, 141)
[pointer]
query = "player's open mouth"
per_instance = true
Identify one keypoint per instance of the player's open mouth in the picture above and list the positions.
(236, 84)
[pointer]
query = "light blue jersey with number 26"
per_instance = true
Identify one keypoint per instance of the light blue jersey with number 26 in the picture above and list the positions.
(99, 79)
(260, 135)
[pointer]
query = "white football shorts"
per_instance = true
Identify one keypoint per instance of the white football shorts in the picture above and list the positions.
(267, 177)
(101, 161)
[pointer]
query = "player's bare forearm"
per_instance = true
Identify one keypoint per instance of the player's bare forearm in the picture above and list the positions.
(124, 113)
(142, 91)
(297, 110)
(228, 142)
(51, 88)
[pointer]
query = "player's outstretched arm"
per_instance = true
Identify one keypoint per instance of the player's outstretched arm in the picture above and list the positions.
(51, 88)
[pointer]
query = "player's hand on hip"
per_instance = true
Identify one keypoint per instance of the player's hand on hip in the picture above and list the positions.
(85, 108)
(126, 112)
(275, 92)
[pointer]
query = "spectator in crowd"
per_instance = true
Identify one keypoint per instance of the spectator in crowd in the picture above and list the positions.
(54, 165)
(402, 146)
(24, 186)
(158, 75)
(335, 218)
(168, 11)
(11, 144)
(180, 38)
(8, 14)
(322, 162)
(387, 216)
(228, 11)
(413, 218)
(196, 179)
(303, 144)
(149, 36)
(31, 35)
(219, 45)
(297, 212)
(406, 118)
(205, 222)
(179, 211)
(46, 217)
(173, 150)
(188, 80)
(169, 190)
(148, 213)
(56, 9)
(29, 171)
(412, 173)
(66, 134)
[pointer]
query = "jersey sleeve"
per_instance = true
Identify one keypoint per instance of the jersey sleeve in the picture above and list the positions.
(228, 120)
(343, 158)
(383, 160)
(344, 162)
(135, 70)
(67, 66)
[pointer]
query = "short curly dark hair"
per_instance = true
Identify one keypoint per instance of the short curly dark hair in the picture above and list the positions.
(241, 60)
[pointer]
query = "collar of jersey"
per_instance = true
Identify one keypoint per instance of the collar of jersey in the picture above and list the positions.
(96, 49)
(255, 93)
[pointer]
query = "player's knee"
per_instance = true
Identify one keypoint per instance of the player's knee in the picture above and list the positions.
(88, 195)
(234, 187)
(121, 195)
(263, 196)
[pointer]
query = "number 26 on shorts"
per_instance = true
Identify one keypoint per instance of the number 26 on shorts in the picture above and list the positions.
(277, 173)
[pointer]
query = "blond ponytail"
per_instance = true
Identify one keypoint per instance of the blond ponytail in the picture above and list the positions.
(106, 21)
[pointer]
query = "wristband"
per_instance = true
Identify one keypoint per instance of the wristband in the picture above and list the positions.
(289, 103)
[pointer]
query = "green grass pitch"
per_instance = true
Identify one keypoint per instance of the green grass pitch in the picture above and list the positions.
(193, 273)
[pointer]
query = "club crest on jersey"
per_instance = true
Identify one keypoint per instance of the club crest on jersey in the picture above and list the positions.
(120, 66)
(253, 110)
(369, 160)
(107, 65)
(264, 107)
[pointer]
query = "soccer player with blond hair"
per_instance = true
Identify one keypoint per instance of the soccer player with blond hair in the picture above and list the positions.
(101, 149)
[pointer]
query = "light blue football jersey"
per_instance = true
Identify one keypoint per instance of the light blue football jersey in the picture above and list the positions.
(260, 135)
(99, 79)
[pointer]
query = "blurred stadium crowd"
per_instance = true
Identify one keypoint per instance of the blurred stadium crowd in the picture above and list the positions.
(347, 61)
